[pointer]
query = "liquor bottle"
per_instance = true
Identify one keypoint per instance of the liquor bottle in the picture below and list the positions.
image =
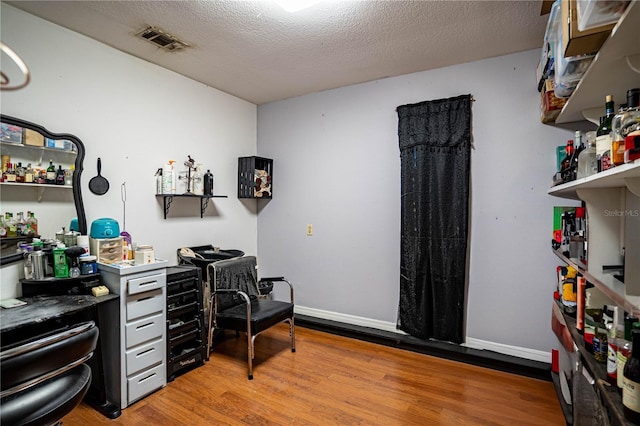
(566, 162)
(587, 164)
(12, 230)
(578, 147)
(624, 348)
(60, 175)
(51, 173)
(208, 183)
(3, 227)
(603, 136)
(33, 223)
(631, 382)
(10, 175)
(20, 171)
(21, 224)
(28, 175)
(613, 340)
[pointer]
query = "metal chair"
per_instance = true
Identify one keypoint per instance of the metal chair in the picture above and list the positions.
(42, 380)
(237, 305)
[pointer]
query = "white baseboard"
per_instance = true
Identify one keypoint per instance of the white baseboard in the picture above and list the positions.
(520, 352)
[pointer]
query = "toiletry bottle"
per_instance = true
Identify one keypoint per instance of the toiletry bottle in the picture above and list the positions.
(208, 183)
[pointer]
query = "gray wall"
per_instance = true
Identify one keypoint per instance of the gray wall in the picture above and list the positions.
(337, 167)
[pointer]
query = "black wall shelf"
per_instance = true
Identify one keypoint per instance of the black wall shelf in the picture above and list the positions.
(248, 168)
(204, 201)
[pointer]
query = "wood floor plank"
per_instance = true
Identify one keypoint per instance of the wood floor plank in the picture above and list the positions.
(334, 380)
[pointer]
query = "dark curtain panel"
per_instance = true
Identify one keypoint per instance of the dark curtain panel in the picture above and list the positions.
(435, 151)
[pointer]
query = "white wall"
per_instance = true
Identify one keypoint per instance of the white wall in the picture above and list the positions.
(135, 116)
(337, 167)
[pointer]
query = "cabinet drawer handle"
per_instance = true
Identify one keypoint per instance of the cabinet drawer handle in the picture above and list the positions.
(140, 327)
(144, 379)
(143, 353)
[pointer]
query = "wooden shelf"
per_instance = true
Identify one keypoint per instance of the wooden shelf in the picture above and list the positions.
(609, 73)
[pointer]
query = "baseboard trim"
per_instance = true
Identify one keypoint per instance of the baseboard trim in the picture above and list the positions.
(511, 359)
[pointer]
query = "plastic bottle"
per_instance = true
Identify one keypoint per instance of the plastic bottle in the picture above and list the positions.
(208, 183)
(169, 178)
(159, 181)
(198, 187)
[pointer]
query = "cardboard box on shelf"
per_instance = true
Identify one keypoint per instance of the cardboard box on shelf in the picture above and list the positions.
(33, 138)
(550, 105)
(576, 42)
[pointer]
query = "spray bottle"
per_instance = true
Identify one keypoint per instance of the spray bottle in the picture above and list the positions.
(169, 178)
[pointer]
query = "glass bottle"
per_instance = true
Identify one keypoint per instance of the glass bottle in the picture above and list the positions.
(631, 382)
(600, 343)
(21, 224)
(10, 174)
(587, 164)
(624, 347)
(32, 223)
(60, 175)
(566, 162)
(3, 227)
(12, 229)
(28, 175)
(603, 136)
(578, 147)
(20, 171)
(51, 173)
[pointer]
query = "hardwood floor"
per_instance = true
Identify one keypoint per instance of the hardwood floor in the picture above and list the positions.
(334, 380)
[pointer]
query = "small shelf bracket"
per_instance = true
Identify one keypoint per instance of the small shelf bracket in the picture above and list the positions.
(204, 202)
(168, 199)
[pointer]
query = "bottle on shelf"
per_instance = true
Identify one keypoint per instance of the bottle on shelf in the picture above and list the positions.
(21, 224)
(12, 229)
(578, 148)
(10, 174)
(587, 164)
(208, 183)
(198, 187)
(32, 222)
(51, 173)
(603, 136)
(20, 171)
(3, 227)
(60, 175)
(565, 165)
(613, 340)
(28, 174)
(624, 348)
(631, 382)
(627, 116)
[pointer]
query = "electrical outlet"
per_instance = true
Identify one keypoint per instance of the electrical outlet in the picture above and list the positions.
(309, 230)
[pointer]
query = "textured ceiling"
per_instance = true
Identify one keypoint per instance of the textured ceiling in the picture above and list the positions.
(258, 52)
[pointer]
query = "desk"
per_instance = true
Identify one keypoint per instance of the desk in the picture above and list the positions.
(45, 313)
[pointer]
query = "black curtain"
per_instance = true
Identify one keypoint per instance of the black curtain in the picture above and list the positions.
(435, 151)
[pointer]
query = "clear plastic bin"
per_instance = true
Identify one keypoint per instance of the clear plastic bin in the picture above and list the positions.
(595, 13)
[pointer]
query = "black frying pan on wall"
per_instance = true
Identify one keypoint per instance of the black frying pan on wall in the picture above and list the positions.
(98, 184)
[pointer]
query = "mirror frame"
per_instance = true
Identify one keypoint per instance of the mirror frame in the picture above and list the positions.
(77, 191)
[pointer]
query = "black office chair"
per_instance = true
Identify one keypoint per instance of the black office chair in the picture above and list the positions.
(44, 379)
(237, 305)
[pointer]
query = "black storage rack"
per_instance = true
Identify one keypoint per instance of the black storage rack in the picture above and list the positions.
(186, 332)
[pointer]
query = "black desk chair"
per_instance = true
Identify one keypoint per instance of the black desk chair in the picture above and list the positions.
(42, 380)
(237, 305)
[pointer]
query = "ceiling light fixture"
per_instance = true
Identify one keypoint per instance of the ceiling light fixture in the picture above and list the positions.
(296, 5)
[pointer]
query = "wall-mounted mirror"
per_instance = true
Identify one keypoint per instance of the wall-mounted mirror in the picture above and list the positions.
(41, 175)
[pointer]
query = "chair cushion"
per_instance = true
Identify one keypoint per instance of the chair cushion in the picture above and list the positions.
(264, 314)
(47, 402)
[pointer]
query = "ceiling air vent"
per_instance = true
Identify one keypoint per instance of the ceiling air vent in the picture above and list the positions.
(161, 39)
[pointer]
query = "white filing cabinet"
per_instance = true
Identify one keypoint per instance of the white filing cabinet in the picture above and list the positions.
(140, 332)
